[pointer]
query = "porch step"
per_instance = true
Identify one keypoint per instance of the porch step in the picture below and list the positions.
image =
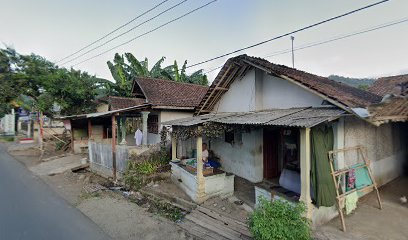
(217, 225)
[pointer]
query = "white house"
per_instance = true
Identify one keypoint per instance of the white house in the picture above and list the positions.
(271, 126)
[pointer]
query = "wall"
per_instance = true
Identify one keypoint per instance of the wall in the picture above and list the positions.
(280, 93)
(244, 160)
(100, 158)
(386, 145)
(258, 90)
(240, 97)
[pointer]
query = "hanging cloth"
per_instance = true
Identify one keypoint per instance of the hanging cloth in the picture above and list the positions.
(322, 182)
(351, 202)
(138, 137)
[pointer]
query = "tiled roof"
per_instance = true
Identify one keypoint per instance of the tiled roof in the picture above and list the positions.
(116, 103)
(391, 109)
(236, 67)
(388, 85)
(167, 93)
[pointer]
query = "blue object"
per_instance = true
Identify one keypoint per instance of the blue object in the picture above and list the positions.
(213, 163)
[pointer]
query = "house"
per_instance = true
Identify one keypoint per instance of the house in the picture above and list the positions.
(154, 101)
(271, 127)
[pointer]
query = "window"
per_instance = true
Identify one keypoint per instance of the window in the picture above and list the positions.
(153, 124)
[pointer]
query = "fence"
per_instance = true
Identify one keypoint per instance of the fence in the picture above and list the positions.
(100, 157)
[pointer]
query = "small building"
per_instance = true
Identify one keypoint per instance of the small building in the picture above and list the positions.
(271, 127)
(154, 101)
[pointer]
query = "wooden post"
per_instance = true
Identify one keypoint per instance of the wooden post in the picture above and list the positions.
(305, 150)
(89, 129)
(200, 177)
(173, 148)
(41, 138)
(114, 146)
(72, 136)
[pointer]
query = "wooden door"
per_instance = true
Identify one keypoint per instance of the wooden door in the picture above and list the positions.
(270, 153)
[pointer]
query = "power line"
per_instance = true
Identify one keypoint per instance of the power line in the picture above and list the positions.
(148, 32)
(339, 37)
(115, 30)
(126, 32)
(289, 33)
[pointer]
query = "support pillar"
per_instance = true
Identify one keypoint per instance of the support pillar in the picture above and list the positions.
(144, 121)
(29, 129)
(123, 130)
(89, 129)
(305, 155)
(114, 125)
(173, 148)
(200, 177)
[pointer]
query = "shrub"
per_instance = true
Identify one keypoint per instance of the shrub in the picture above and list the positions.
(279, 220)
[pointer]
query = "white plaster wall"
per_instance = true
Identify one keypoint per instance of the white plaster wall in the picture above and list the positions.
(244, 160)
(172, 115)
(240, 97)
(280, 93)
(386, 145)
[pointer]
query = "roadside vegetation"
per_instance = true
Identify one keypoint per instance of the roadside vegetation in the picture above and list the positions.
(275, 220)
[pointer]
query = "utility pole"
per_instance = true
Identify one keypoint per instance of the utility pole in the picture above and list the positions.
(293, 53)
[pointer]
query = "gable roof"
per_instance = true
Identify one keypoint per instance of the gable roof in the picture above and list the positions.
(388, 85)
(341, 95)
(162, 93)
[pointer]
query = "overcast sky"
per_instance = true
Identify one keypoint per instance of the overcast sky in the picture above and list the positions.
(56, 28)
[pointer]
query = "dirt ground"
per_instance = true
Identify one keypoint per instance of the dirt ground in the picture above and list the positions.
(115, 214)
(369, 222)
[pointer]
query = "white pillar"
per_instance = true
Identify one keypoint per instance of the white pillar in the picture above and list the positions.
(200, 177)
(305, 155)
(29, 128)
(144, 121)
(123, 130)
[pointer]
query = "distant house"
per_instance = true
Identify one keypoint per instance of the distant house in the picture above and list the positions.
(271, 127)
(397, 85)
(154, 101)
(394, 105)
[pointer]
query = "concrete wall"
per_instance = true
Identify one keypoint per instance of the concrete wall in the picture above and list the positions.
(259, 91)
(240, 97)
(244, 160)
(280, 93)
(386, 145)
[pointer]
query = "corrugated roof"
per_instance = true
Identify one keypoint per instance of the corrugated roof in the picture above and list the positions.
(294, 117)
(101, 114)
(340, 94)
(160, 92)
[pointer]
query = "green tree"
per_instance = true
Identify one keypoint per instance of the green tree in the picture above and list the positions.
(125, 69)
(32, 80)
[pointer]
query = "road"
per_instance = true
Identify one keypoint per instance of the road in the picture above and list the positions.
(30, 209)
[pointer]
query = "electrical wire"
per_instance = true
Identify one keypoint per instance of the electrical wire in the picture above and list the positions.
(148, 32)
(289, 33)
(115, 30)
(336, 38)
(126, 32)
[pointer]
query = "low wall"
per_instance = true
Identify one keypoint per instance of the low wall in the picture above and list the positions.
(100, 158)
(215, 185)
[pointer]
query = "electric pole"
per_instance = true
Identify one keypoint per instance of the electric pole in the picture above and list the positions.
(293, 53)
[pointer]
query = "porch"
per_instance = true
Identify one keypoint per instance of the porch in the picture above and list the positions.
(268, 150)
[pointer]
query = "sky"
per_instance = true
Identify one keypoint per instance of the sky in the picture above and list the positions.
(55, 29)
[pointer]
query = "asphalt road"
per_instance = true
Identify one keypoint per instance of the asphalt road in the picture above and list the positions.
(29, 209)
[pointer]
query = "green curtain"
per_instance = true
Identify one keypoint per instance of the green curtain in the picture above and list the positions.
(322, 181)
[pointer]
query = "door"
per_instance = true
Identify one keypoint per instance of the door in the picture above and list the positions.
(270, 153)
